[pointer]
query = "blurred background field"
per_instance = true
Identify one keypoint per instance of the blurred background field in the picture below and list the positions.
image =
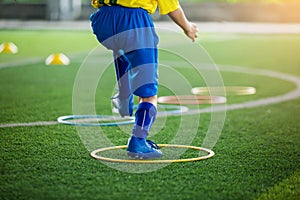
(257, 153)
(283, 11)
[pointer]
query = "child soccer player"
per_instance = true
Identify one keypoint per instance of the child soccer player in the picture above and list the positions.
(126, 28)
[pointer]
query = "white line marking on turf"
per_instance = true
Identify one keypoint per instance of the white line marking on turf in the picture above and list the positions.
(294, 94)
(206, 27)
(29, 61)
(218, 108)
(36, 60)
(40, 123)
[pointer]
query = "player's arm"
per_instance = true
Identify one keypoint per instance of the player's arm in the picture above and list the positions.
(189, 28)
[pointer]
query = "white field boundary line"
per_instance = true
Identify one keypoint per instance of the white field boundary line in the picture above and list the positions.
(39, 123)
(204, 27)
(24, 62)
(294, 94)
(36, 60)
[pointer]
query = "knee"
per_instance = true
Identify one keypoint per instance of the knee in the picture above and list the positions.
(152, 100)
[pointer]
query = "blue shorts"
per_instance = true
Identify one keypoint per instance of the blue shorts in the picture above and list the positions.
(130, 34)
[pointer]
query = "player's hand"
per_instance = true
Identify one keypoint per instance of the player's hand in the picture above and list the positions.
(192, 31)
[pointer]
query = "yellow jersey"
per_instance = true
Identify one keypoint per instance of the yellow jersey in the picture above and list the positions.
(165, 6)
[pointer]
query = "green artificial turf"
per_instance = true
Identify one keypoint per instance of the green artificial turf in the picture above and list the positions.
(257, 154)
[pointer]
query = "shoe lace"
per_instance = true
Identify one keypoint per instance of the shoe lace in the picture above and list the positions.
(152, 144)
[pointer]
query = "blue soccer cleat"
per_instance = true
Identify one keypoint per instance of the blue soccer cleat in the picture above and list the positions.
(140, 148)
(124, 106)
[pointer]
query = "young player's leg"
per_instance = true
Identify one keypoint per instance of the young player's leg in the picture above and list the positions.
(145, 116)
(109, 36)
(136, 36)
(144, 84)
(138, 145)
(152, 100)
(123, 100)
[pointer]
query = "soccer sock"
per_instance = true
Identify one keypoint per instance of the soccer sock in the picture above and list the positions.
(144, 118)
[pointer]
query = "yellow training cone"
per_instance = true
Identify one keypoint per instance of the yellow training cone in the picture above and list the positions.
(8, 47)
(57, 59)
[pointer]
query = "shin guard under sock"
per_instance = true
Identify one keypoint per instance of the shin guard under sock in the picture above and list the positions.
(144, 118)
